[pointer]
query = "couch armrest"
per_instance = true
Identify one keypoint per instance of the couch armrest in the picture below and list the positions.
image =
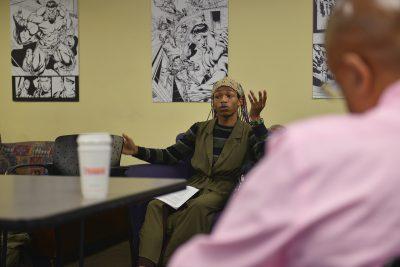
(179, 170)
(118, 171)
(14, 169)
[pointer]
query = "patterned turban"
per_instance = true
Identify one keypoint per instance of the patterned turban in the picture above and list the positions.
(229, 83)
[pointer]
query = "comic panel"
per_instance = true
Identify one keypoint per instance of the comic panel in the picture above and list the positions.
(324, 85)
(189, 47)
(322, 11)
(31, 88)
(45, 88)
(65, 88)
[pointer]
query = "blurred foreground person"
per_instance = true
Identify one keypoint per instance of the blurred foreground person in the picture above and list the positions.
(328, 192)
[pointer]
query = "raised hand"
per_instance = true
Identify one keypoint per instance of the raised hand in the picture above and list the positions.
(257, 105)
(129, 147)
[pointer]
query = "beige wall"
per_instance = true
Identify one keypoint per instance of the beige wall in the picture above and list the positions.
(269, 47)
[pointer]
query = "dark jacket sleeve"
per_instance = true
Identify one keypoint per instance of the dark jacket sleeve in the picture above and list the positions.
(181, 150)
(257, 139)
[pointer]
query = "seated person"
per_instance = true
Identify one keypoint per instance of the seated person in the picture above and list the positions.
(17, 249)
(220, 148)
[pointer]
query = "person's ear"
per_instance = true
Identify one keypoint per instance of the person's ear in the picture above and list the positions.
(358, 75)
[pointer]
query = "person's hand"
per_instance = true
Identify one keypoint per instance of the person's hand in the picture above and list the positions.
(129, 147)
(257, 105)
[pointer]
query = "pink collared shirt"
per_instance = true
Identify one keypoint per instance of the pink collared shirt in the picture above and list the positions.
(327, 195)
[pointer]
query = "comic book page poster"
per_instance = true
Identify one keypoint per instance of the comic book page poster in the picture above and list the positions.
(44, 50)
(189, 48)
(321, 74)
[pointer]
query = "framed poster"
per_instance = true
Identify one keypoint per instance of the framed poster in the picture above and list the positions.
(321, 74)
(44, 50)
(189, 48)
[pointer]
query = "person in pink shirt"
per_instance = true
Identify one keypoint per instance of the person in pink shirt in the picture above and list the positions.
(327, 194)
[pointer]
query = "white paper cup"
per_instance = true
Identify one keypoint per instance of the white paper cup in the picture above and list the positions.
(94, 151)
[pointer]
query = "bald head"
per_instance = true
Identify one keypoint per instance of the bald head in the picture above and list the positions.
(363, 46)
(366, 26)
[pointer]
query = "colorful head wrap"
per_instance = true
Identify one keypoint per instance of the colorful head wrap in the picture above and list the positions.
(243, 114)
(229, 83)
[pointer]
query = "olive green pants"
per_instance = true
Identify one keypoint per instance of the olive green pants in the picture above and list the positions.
(15, 241)
(164, 225)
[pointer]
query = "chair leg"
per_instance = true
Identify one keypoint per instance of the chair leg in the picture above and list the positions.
(82, 243)
(133, 236)
(3, 256)
(59, 260)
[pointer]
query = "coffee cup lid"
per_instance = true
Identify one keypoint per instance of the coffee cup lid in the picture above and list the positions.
(94, 138)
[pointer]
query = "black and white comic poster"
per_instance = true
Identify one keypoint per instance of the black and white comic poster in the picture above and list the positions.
(321, 74)
(189, 48)
(44, 50)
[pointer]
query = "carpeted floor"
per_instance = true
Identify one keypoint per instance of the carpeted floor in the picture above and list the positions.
(117, 256)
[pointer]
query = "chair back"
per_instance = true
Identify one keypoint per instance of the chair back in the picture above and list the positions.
(65, 157)
(117, 144)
